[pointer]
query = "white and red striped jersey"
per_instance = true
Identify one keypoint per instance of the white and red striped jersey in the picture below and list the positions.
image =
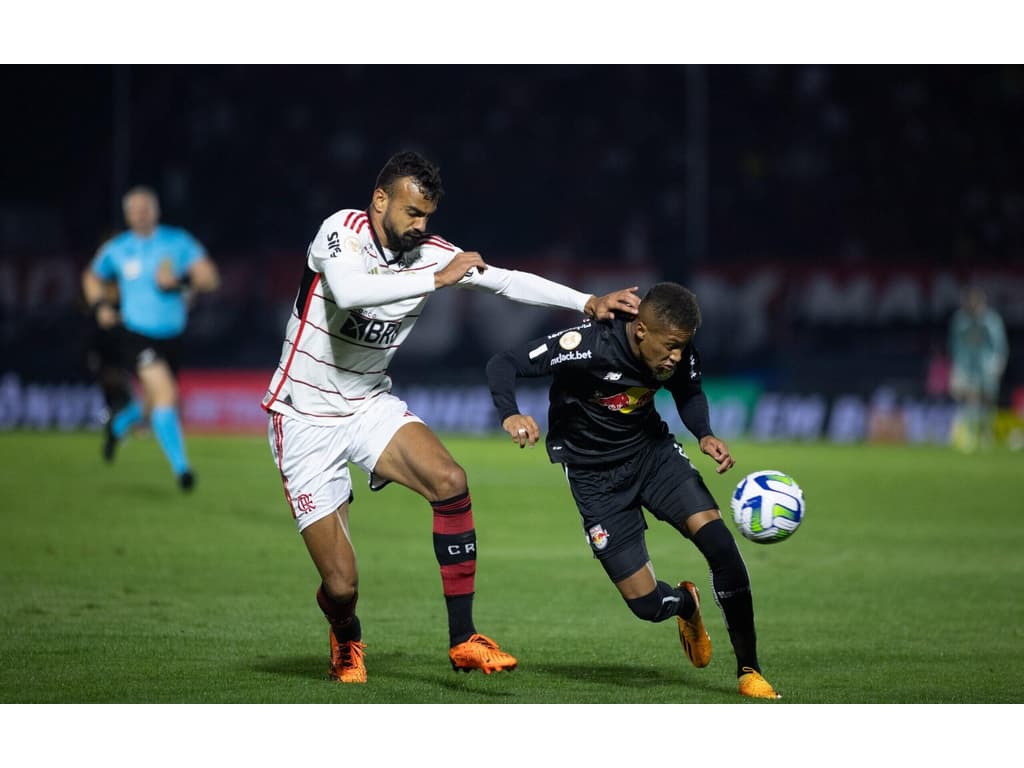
(358, 302)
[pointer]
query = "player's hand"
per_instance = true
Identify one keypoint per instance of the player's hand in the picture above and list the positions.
(523, 429)
(106, 316)
(458, 267)
(166, 280)
(604, 307)
(718, 451)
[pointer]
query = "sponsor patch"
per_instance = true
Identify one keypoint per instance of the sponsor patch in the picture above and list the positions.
(598, 537)
(570, 340)
(538, 351)
(561, 358)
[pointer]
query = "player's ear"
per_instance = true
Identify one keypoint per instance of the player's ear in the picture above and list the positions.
(380, 200)
(639, 330)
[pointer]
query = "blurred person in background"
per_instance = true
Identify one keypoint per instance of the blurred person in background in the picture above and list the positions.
(978, 352)
(155, 269)
(619, 457)
(367, 275)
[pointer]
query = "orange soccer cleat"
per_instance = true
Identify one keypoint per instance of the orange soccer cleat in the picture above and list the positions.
(755, 686)
(347, 664)
(693, 635)
(480, 652)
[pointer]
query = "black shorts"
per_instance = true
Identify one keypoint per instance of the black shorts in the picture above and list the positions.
(139, 351)
(104, 350)
(610, 499)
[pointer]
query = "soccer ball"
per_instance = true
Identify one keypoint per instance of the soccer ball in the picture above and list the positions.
(767, 506)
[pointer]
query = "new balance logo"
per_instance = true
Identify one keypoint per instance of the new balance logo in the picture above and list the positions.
(377, 332)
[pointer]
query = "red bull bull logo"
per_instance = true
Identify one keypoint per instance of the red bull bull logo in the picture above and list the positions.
(598, 537)
(626, 402)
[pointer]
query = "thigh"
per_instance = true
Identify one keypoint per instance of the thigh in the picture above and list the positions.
(157, 380)
(612, 519)
(396, 445)
(313, 463)
(674, 491)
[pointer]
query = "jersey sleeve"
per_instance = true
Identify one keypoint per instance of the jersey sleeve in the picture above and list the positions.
(688, 394)
(571, 348)
(336, 254)
(103, 265)
(525, 288)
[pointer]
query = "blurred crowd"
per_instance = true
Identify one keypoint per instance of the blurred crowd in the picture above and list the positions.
(574, 166)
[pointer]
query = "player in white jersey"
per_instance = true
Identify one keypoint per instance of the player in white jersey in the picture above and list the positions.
(368, 275)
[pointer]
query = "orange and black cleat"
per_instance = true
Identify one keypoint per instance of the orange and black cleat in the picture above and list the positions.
(693, 635)
(480, 652)
(347, 663)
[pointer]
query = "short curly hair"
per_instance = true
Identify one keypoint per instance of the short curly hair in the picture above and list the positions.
(424, 173)
(673, 305)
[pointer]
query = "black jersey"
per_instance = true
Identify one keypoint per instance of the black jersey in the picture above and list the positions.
(602, 397)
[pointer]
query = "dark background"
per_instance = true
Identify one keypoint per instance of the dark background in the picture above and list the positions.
(667, 170)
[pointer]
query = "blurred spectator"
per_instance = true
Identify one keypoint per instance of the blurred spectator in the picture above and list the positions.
(979, 350)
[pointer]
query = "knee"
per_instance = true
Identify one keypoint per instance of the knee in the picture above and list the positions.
(449, 481)
(341, 587)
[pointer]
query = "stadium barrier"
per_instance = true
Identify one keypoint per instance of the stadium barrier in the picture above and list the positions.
(228, 402)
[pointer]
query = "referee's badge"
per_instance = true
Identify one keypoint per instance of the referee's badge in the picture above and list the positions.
(598, 537)
(570, 340)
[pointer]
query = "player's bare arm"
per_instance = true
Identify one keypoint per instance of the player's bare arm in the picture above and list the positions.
(604, 307)
(96, 292)
(719, 451)
(201, 277)
(523, 429)
(458, 267)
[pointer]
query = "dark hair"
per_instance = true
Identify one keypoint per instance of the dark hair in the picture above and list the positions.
(424, 173)
(673, 305)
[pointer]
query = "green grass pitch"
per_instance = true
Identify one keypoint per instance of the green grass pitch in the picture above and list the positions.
(903, 584)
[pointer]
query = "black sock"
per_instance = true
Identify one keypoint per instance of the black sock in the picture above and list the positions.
(663, 603)
(341, 616)
(731, 585)
(455, 549)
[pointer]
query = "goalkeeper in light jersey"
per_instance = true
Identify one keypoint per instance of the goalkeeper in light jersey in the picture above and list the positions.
(619, 457)
(366, 278)
(978, 352)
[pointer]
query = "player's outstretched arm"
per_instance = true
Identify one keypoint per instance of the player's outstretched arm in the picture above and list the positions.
(458, 267)
(626, 300)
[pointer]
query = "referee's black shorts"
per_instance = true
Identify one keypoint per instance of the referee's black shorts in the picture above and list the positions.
(138, 351)
(660, 478)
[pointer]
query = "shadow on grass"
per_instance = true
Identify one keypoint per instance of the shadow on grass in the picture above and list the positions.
(635, 676)
(382, 667)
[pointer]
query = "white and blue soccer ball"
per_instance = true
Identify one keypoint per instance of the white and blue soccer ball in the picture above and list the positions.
(767, 506)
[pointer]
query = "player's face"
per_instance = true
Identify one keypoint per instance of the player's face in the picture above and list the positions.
(405, 215)
(141, 213)
(660, 346)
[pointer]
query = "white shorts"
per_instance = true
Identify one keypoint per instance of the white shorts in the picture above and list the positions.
(313, 459)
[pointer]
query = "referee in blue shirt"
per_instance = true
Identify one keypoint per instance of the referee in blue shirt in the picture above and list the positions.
(155, 268)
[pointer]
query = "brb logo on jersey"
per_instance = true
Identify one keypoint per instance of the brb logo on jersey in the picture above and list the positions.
(379, 333)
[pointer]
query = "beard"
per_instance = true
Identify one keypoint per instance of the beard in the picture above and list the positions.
(404, 243)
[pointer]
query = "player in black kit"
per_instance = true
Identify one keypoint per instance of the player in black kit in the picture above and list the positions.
(619, 456)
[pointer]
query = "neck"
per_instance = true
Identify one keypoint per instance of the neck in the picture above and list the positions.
(631, 338)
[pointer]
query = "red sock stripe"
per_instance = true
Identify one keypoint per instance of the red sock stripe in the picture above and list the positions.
(458, 579)
(455, 504)
(459, 523)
